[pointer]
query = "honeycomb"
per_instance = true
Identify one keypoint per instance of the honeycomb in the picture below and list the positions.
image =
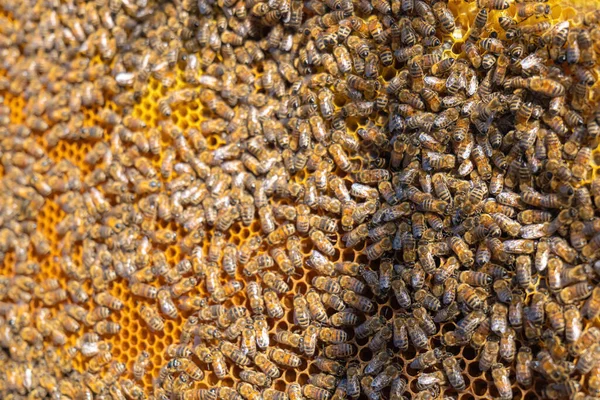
(136, 337)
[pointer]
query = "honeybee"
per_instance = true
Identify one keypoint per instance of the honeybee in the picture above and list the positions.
(315, 392)
(301, 311)
(232, 352)
(576, 292)
(107, 328)
(272, 304)
(322, 242)
(356, 236)
(289, 338)
(461, 249)
(218, 363)
(283, 357)
(166, 304)
(274, 281)
(501, 381)
(183, 286)
(254, 293)
(76, 291)
(573, 324)
(280, 234)
(151, 318)
(178, 351)
(255, 378)
(309, 340)
(454, 373)
(427, 359)
(261, 330)
(591, 308)
(266, 366)
(489, 355)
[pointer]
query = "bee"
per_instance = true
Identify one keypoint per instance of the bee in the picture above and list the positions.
(326, 284)
(573, 324)
(254, 293)
(294, 391)
(265, 365)
(492, 45)
(444, 17)
(151, 318)
(107, 328)
(357, 301)
(315, 306)
(524, 371)
(289, 339)
(576, 292)
(285, 212)
(356, 236)
(183, 286)
(461, 249)
(425, 321)
(293, 248)
(283, 357)
(230, 259)
(218, 363)
(315, 392)
(329, 366)
(325, 224)
(322, 242)
(501, 381)
(489, 355)
(318, 262)
(588, 360)
(545, 86)
(247, 391)
(247, 249)
(587, 338)
(248, 343)
(429, 301)
(272, 394)
(340, 157)
(272, 304)
(178, 351)
(454, 374)
(144, 290)
(76, 291)
(377, 249)
(385, 378)
(591, 308)
(416, 334)
(280, 234)
(255, 378)
(301, 311)
(274, 281)
(187, 329)
(475, 57)
(427, 359)
(330, 335)
(267, 219)
(166, 304)
(310, 339)
(192, 370)
(232, 352)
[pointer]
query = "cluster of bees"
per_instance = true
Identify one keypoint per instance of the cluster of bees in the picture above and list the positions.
(462, 180)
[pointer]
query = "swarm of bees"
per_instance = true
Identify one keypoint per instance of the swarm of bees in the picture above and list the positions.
(452, 155)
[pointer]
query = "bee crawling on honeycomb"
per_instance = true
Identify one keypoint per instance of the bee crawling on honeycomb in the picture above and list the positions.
(288, 200)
